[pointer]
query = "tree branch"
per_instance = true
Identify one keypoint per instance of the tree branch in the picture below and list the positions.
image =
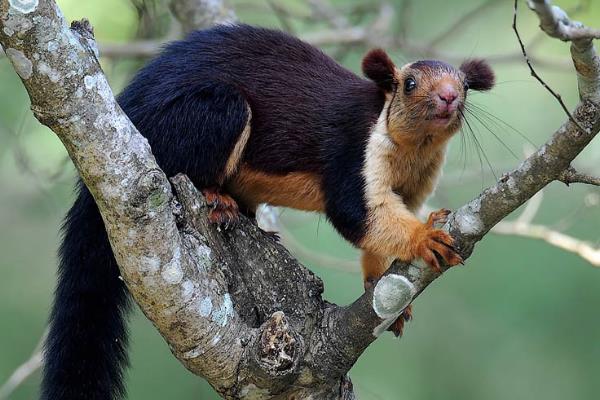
(340, 37)
(140, 49)
(523, 226)
(215, 297)
(533, 72)
(556, 23)
(380, 306)
(24, 370)
(69, 93)
(341, 33)
(557, 239)
(571, 175)
(199, 14)
(468, 225)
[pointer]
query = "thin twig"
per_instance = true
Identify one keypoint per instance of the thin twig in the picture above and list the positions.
(25, 370)
(557, 96)
(571, 175)
(557, 239)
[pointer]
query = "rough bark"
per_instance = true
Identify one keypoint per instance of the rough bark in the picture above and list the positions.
(234, 306)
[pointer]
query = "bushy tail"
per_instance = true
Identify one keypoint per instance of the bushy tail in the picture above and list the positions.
(85, 353)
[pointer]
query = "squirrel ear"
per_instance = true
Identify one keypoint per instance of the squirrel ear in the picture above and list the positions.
(479, 74)
(378, 67)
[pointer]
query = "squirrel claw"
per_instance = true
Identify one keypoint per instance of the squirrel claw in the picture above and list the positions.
(224, 211)
(432, 242)
(438, 217)
(275, 235)
(397, 327)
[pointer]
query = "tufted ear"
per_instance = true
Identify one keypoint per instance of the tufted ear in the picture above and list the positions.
(378, 67)
(479, 74)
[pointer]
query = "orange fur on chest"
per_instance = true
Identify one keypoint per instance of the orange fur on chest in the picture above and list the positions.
(298, 190)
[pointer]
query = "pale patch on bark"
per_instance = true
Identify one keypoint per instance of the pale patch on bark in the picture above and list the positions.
(22, 65)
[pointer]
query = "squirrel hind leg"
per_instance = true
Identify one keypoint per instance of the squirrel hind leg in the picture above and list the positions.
(224, 210)
(397, 328)
(373, 267)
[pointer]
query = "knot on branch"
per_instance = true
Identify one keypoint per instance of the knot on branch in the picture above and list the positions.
(279, 349)
(274, 357)
(467, 227)
(153, 194)
(48, 117)
(587, 115)
(84, 28)
(191, 207)
(85, 31)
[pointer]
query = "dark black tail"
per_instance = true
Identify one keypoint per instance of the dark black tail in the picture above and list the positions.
(85, 352)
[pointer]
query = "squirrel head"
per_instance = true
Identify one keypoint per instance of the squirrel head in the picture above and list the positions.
(425, 99)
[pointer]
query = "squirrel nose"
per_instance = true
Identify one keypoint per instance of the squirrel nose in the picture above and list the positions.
(448, 95)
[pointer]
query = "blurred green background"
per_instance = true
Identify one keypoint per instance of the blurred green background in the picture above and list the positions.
(519, 321)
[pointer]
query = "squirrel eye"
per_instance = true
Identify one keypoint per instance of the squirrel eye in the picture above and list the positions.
(466, 86)
(409, 85)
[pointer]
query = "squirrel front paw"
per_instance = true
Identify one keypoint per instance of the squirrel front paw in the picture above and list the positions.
(429, 241)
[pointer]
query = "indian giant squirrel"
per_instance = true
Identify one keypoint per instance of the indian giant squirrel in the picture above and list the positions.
(254, 116)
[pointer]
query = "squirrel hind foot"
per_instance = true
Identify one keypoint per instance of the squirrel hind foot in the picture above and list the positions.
(224, 210)
(397, 327)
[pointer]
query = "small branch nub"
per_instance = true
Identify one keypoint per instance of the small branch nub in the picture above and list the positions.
(84, 28)
(277, 346)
